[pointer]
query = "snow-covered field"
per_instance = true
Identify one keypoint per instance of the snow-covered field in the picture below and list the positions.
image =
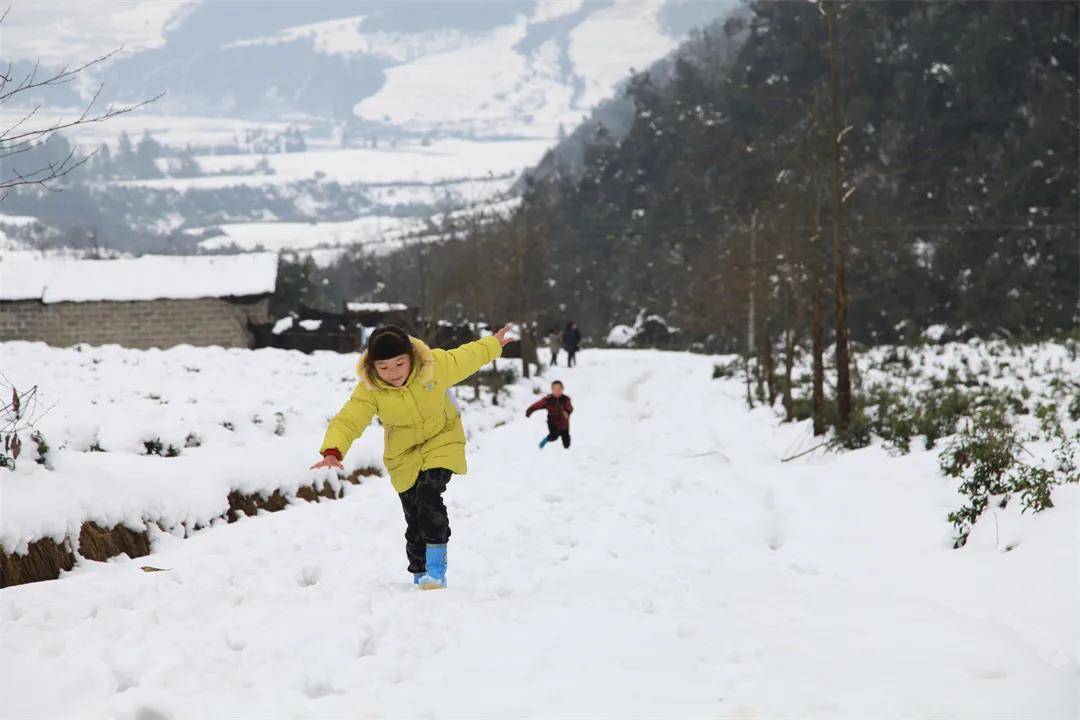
(439, 162)
(379, 231)
(172, 130)
(237, 420)
(667, 565)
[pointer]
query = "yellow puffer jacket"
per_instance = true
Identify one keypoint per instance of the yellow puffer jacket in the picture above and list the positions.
(423, 428)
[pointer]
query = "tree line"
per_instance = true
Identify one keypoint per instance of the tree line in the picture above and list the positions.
(802, 175)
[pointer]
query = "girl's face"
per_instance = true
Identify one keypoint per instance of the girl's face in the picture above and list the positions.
(556, 389)
(394, 371)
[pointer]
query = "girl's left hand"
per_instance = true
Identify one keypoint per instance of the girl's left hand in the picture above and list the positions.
(500, 335)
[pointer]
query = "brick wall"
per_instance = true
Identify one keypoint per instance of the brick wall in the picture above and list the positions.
(141, 324)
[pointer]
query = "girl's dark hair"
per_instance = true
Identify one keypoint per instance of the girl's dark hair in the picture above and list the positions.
(384, 343)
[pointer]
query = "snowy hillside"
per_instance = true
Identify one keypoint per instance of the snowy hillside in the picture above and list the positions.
(668, 565)
(527, 78)
(506, 68)
(406, 110)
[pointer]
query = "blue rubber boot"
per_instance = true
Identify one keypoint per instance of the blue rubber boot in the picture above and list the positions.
(434, 577)
(543, 442)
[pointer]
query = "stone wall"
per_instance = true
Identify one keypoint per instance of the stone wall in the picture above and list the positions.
(139, 324)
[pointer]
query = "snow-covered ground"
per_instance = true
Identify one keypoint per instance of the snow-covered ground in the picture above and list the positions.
(667, 565)
(378, 231)
(436, 163)
(175, 131)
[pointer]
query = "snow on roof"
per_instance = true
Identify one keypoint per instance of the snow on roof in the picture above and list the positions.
(375, 307)
(149, 277)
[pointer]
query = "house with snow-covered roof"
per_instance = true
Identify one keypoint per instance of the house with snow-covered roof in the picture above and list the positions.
(143, 302)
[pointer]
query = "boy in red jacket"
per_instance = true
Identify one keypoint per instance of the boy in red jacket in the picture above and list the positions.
(558, 408)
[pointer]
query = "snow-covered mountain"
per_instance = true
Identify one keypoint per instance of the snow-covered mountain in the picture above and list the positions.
(459, 68)
(409, 108)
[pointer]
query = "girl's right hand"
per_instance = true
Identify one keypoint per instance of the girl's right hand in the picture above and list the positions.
(328, 461)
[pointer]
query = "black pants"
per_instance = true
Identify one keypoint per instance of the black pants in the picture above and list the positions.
(425, 516)
(555, 433)
(571, 357)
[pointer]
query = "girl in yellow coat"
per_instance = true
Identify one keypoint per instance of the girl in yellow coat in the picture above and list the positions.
(407, 385)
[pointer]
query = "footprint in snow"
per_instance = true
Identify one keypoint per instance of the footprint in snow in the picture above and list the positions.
(318, 688)
(803, 569)
(235, 642)
(309, 575)
(151, 713)
(366, 646)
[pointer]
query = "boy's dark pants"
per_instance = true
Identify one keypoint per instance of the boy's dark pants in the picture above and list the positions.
(555, 433)
(425, 516)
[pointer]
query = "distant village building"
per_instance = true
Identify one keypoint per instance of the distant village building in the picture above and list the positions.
(149, 301)
(371, 315)
(309, 329)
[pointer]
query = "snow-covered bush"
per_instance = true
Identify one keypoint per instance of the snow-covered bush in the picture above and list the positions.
(154, 446)
(20, 415)
(42, 448)
(620, 335)
(987, 456)
(726, 369)
(649, 330)
(496, 380)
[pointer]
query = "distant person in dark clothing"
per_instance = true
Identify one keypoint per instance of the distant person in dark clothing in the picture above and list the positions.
(558, 408)
(571, 340)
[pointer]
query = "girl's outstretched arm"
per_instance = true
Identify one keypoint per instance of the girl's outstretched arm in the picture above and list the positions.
(461, 362)
(347, 426)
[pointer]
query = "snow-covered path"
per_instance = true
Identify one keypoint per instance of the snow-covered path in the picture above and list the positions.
(666, 566)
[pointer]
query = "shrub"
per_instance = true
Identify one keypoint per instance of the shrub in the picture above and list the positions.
(42, 448)
(856, 435)
(937, 414)
(496, 380)
(891, 419)
(985, 456)
(980, 456)
(154, 446)
(726, 370)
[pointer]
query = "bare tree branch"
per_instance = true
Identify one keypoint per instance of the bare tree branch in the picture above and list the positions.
(43, 176)
(62, 76)
(24, 119)
(84, 119)
(19, 139)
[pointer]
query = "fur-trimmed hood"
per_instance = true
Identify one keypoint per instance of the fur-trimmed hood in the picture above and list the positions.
(423, 369)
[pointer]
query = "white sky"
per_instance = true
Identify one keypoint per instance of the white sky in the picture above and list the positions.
(70, 31)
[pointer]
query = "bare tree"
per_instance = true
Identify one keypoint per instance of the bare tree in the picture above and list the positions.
(843, 378)
(29, 132)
